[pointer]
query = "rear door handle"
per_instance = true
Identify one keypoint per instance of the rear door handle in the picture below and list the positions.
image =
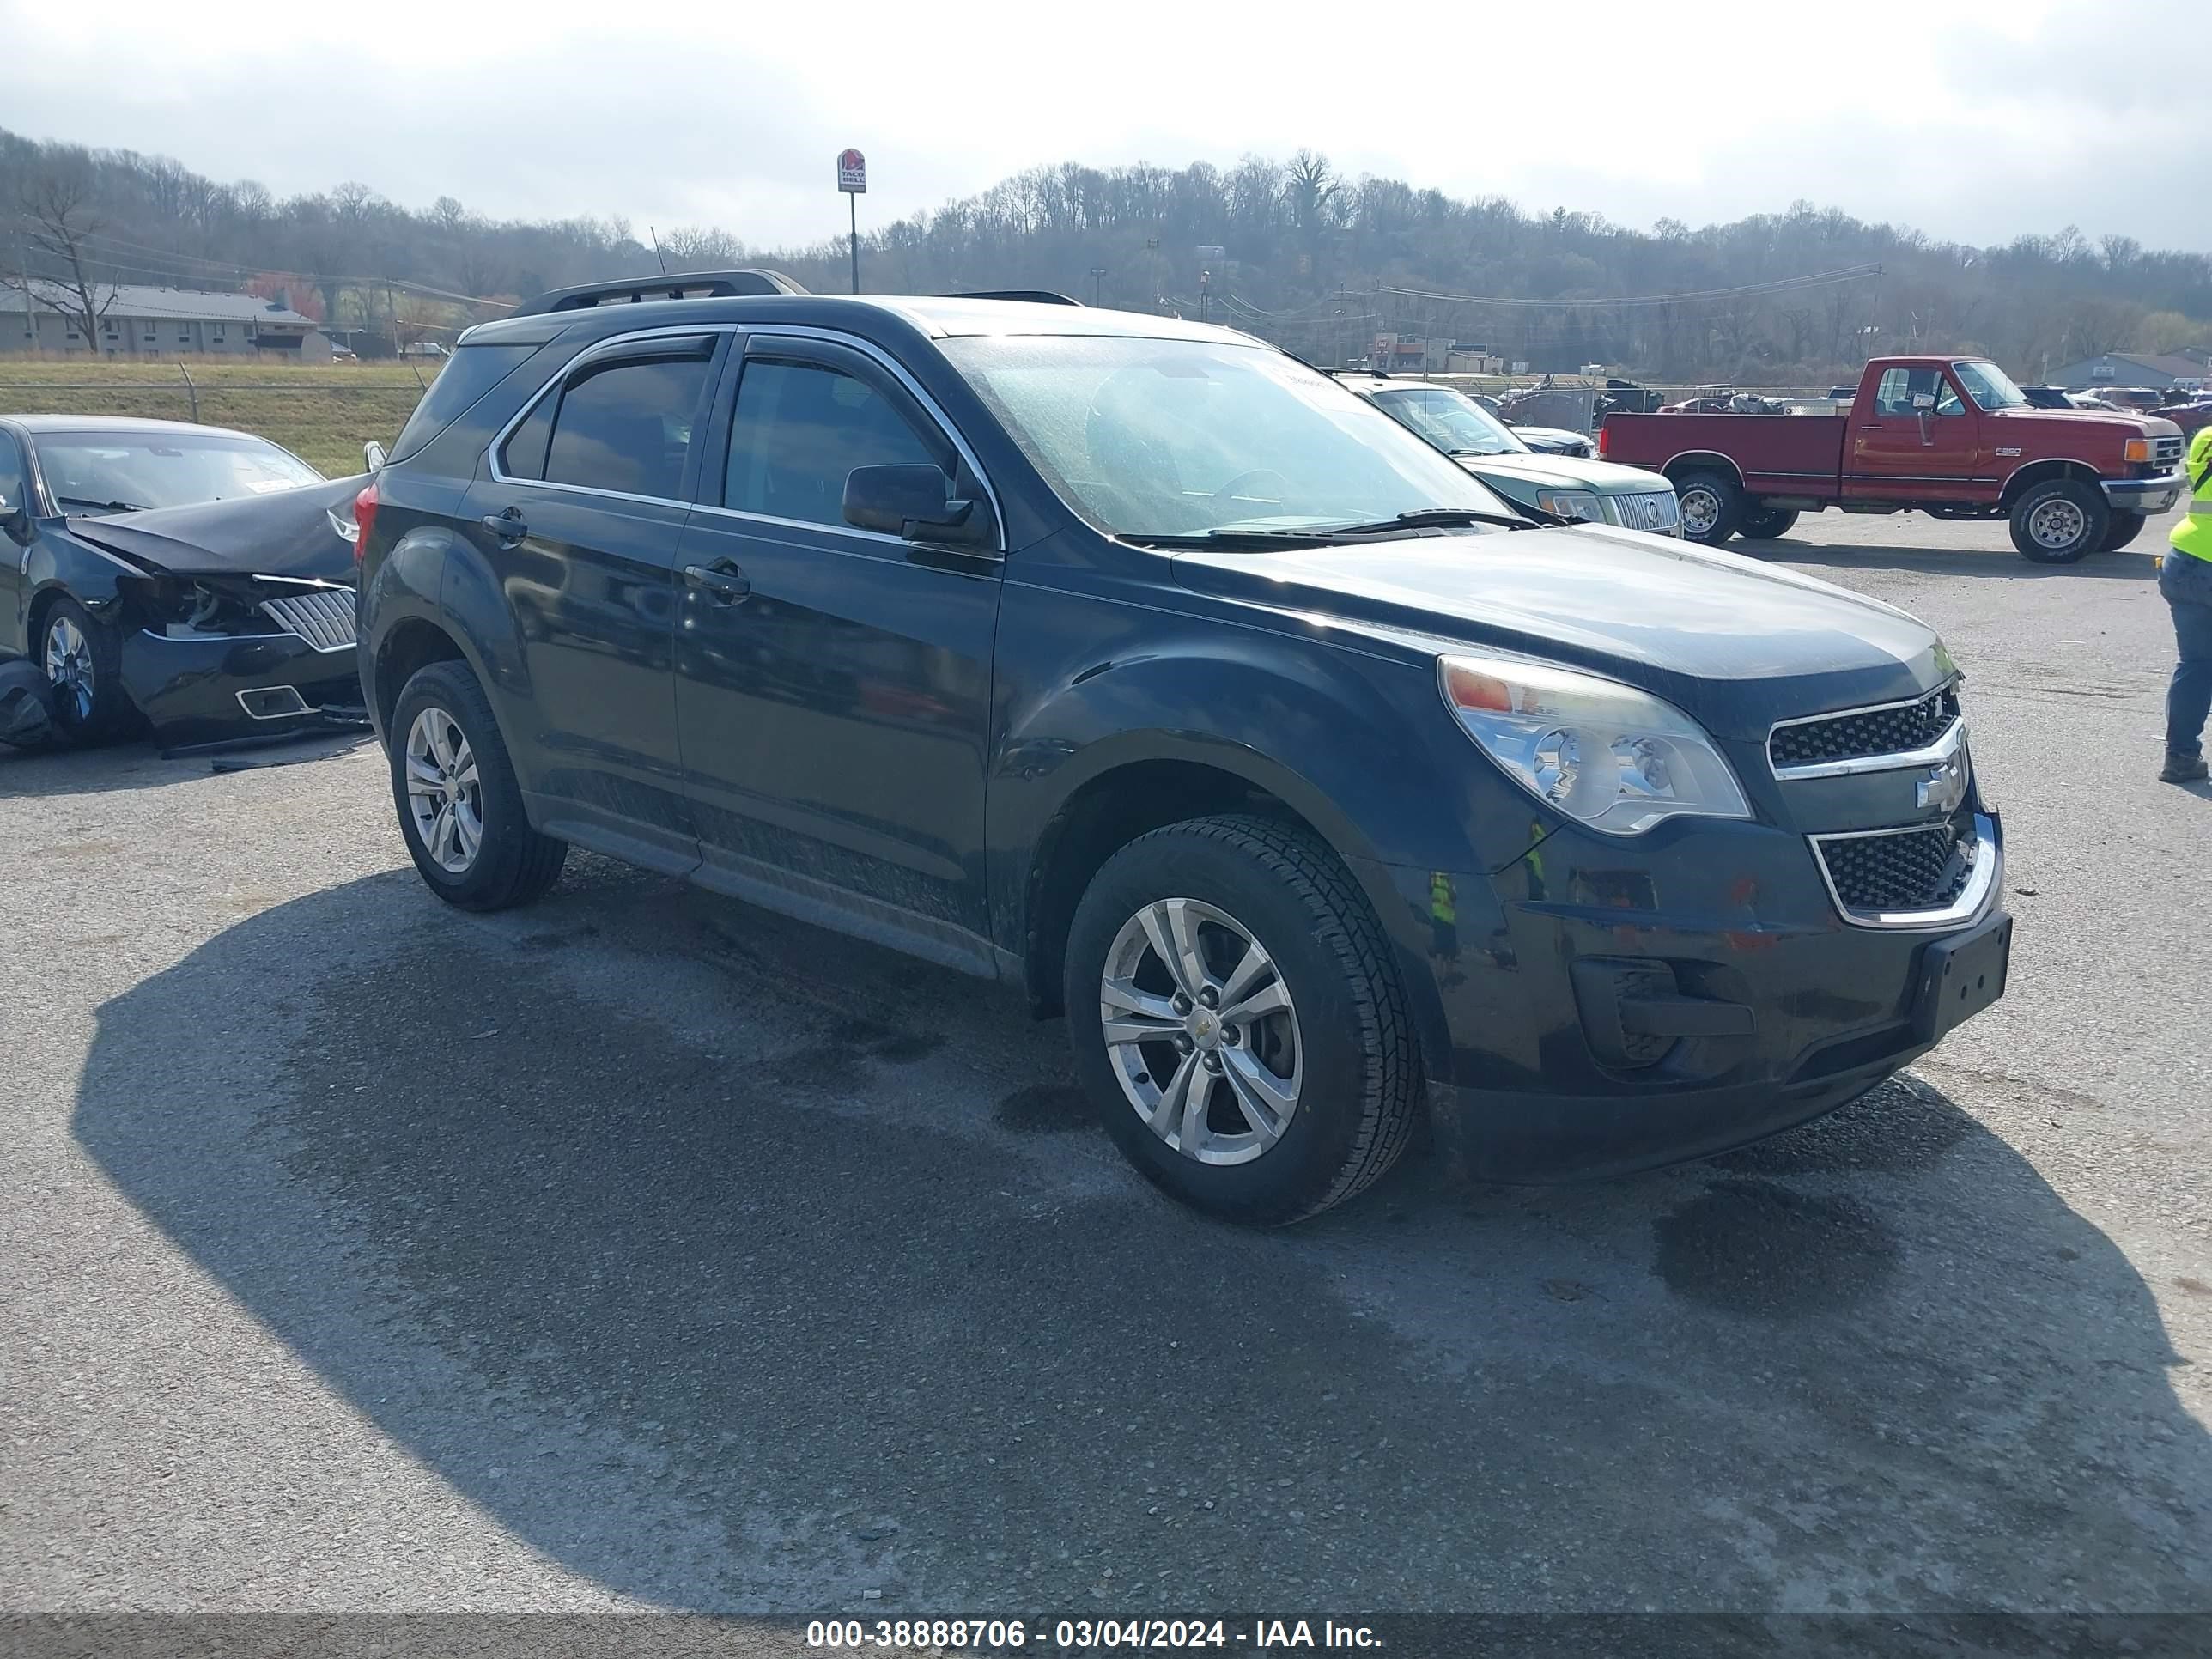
(722, 581)
(508, 527)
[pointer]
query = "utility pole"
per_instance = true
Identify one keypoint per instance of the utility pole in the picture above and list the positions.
(392, 310)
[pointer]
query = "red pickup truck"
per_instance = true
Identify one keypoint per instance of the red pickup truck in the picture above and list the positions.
(1952, 436)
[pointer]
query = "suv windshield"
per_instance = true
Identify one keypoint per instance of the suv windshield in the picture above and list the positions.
(1990, 386)
(1450, 420)
(115, 471)
(1171, 438)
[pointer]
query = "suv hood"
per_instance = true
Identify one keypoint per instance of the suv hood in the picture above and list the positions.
(1566, 473)
(1736, 643)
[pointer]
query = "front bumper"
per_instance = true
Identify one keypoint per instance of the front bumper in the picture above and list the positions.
(1625, 1005)
(2146, 495)
(196, 690)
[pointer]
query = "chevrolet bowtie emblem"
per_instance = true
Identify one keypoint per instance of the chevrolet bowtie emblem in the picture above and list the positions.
(1944, 789)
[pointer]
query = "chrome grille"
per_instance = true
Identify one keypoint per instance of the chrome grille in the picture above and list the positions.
(1899, 871)
(1652, 510)
(2166, 452)
(322, 616)
(1863, 734)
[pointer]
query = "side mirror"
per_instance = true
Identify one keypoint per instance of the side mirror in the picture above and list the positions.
(913, 501)
(373, 453)
(15, 521)
(1923, 401)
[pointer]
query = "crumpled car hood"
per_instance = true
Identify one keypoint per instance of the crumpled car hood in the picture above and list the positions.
(287, 533)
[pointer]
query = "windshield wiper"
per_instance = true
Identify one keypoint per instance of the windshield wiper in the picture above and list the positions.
(1234, 538)
(1445, 518)
(103, 506)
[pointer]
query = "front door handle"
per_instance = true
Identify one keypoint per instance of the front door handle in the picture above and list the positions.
(509, 528)
(722, 581)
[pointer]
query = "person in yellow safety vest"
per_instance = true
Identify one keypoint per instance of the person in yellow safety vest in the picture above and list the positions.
(2184, 577)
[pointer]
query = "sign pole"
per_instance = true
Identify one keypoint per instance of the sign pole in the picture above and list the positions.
(852, 180)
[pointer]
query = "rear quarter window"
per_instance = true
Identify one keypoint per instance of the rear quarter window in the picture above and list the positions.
(469, 373)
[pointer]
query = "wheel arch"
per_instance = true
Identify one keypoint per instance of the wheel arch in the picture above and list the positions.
(1702, 460)
(2024, 479)
(1365, 790)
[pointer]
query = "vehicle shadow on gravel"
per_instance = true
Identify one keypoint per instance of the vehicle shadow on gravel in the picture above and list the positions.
(736, 1267)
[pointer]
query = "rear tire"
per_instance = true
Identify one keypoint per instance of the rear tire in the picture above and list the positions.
(81, 660)
(459, 803)
(1764, 524)
(2124, 529)
(1711, 506)
(2060, 521)
(1337, 1044)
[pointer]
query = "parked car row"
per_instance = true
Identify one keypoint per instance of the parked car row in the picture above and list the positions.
(1323, 789)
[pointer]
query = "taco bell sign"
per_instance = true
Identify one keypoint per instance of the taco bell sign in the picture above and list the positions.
(852, 173)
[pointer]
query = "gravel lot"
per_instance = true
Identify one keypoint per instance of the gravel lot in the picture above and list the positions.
(642, 1249)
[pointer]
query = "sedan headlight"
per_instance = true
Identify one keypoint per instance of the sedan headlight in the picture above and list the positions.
(1605, 754)
(1571, 504)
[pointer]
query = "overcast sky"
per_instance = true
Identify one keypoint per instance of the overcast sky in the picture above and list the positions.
(1975, 121)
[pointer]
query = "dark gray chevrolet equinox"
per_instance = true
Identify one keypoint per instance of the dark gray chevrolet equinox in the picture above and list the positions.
(1139, 664)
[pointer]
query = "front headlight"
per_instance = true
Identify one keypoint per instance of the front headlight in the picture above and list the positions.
(1605, 754)
(1571, 504)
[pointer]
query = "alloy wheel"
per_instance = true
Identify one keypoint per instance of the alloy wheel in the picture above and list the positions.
(1201, 1032)
(68, 666)
(444, 796)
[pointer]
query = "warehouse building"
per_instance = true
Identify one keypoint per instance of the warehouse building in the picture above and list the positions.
(159, 322)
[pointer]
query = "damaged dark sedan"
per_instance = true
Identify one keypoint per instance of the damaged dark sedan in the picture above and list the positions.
(187, 580)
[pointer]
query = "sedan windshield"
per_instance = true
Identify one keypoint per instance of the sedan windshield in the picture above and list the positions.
(1450, 420)
(1179, 438)
(1990, 386)
(96, 471)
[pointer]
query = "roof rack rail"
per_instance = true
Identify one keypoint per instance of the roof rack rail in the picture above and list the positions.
(1035, 296)
(666, 285)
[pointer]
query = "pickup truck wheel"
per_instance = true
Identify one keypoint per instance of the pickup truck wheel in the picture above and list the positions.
(460, 804)
(1238, 1021)
(2060, 521)
(1711, 506)
(2124, 528)
(1764, 524)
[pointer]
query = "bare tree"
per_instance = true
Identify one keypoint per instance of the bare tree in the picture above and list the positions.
(55, 204)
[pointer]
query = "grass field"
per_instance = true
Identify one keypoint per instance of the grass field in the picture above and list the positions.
(322, 415)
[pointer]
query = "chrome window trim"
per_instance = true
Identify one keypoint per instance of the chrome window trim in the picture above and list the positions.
(1945, 748)
(1866, 763)
(597, 348)
(1988, 863)
(915, 389)
(852, 530)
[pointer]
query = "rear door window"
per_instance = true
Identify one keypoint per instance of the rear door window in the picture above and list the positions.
(626, 426)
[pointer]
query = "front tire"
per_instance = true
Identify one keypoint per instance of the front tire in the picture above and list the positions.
(2060, 521)
(1238, 1021)
(1711, 506)
(460, 804)
(81, 660)
(1764, 524)
(2124, 528)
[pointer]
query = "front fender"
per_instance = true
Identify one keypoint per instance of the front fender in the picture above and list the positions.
(1357, 744)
